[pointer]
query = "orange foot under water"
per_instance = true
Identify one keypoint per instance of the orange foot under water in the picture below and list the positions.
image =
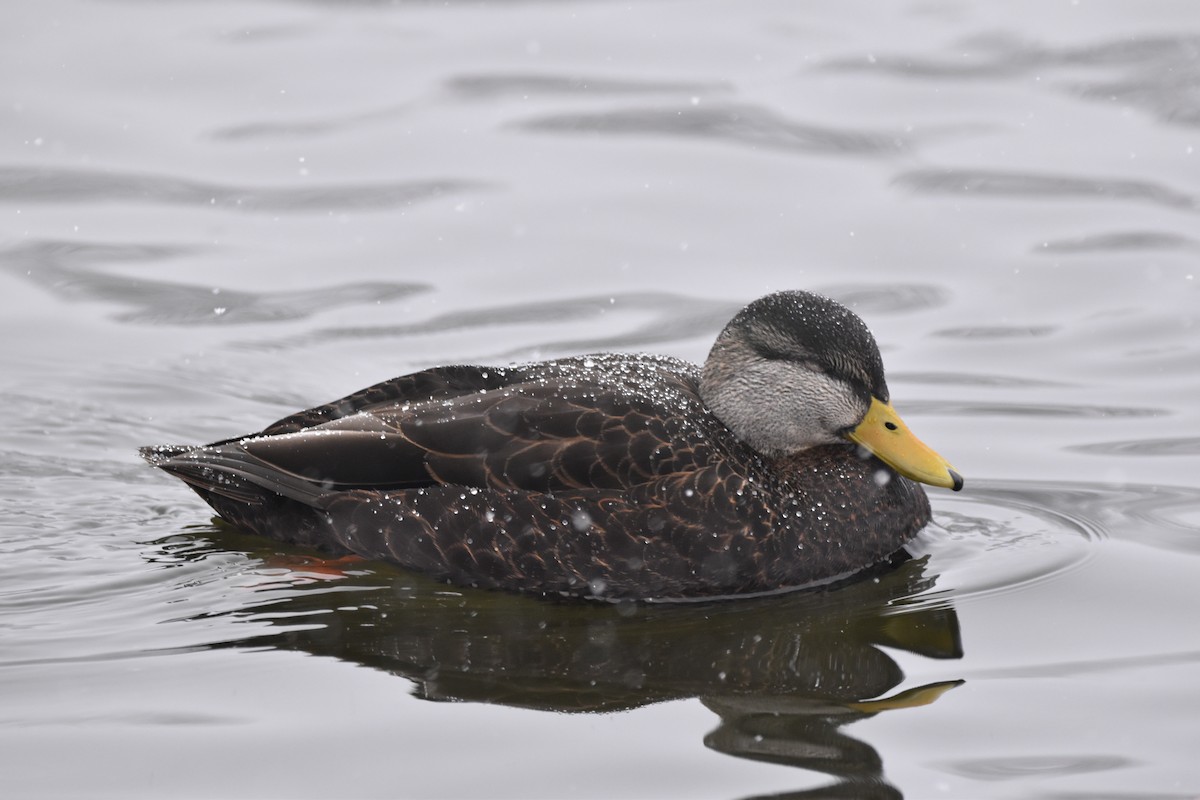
(329, 568)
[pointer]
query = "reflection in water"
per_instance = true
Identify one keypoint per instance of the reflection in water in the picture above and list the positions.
(785, 674)
(805, 732)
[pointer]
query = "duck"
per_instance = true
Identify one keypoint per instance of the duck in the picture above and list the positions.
(778, 464)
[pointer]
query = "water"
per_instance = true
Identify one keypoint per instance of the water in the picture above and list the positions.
(217, 213)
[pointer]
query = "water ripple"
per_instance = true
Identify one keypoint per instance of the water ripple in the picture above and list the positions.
(1005, 537)
(297, 128)
(733, 124)
(492, 86)
(673, 317)
(1160, 73)
(70, 270)
(1116, 242)
(978, 379)
(1043, 410)
(1185, 446)
(999, 54)
(998, 332)
(1009, 535)
(470, 88)
(889, 298)
(66, 185)
(1024, 767)
(1002, 183)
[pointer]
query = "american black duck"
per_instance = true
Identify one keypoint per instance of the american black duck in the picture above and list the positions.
(778, 464)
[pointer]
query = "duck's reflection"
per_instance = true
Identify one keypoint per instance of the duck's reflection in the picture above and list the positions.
(785, 674)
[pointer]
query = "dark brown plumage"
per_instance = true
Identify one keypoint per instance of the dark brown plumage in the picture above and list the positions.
(602, 476)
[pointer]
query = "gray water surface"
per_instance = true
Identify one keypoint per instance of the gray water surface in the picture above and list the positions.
(215, 214)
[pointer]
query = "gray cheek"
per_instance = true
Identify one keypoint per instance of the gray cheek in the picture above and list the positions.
(777, 407)
(795, 408)
(839, 406)
(819, 408)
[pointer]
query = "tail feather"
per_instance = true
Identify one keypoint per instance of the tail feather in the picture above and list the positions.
(158, 453)
(229, 471)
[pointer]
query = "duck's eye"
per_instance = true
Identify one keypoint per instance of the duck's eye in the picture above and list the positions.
(891, 426)
(797, 357)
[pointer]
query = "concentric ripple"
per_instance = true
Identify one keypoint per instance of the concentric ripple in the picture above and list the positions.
(1009, 535)
(1003, 538)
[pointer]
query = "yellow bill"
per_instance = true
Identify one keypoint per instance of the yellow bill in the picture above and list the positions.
(889, 439)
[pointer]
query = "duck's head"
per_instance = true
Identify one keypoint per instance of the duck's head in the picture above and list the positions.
(794, 370)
